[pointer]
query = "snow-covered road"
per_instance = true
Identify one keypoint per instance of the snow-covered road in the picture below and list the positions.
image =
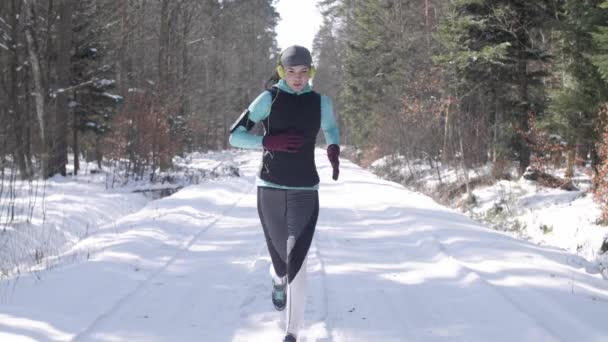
(386, 264)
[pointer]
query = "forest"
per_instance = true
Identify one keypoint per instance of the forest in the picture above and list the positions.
(460, 82)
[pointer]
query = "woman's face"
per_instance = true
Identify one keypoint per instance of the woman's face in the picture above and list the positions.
(297, 77)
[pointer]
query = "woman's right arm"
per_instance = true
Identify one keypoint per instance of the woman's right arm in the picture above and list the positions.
(257, 111)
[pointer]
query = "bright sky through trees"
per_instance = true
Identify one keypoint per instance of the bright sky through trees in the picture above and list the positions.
(300, 21)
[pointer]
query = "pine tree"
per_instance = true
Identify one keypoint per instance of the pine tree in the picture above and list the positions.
(329, 48)
(365, 68)
(326, 51)
(575, 104)
(600, 179)
(492, 56)
(473, 71)
(381, 60)
(92, 101)
(600, 58)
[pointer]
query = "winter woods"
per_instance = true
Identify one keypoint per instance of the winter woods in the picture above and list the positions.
(444, 82)
(133, 81)
(459, 82)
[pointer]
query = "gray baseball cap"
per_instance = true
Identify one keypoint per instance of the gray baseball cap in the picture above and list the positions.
(296, 55)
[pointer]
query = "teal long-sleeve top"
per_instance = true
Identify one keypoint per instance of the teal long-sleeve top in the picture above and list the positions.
(259, 110)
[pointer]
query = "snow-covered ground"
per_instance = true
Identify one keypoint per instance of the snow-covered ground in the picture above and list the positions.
(565, 219)
(386, 264)
(522, 208)
(41, 220)
(45, 218)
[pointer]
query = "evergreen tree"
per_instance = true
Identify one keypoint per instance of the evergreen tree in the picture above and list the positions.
(492, 56)
(600, 58)
(93, 99)
(329, 48)
(386, 63)
(575, 104)
(327, 53)
(366, 65)
(248, 55)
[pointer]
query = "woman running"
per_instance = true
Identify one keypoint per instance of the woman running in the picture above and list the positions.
(288, 202)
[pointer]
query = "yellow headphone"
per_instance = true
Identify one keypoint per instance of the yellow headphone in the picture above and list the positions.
(281, 70)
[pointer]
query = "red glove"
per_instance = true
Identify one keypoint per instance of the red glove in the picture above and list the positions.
(333, 154)
(284, 142)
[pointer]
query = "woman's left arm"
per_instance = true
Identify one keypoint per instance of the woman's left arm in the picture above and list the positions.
(328, 122)
(332, 135)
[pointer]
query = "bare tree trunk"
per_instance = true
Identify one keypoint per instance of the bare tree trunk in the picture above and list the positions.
(141, 51)
(121, 75)
(185, 78)
(427, 23)
(50, 18)
(39, 93)
(523, 148)
(447, 134)
(571, 160)
(98, 153)
(13, 101)
(29, 121)
(497, 122)
(48, 61)
(75, 145)
(63, 73)
(164, 81)
(163, 55)
(463, 163)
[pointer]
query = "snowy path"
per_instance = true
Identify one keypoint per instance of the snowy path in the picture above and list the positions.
(386, 265)
(441, 278)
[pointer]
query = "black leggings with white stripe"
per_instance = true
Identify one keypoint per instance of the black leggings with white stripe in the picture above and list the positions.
(289, 218)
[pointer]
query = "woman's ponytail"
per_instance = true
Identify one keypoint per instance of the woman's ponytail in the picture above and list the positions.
(272, 80)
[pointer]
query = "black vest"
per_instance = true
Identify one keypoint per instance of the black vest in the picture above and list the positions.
(302, 115)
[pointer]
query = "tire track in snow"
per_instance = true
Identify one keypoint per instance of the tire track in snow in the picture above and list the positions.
(444, 253)
(382, 302)
(85, 334)
(398, 314)
(544, 305)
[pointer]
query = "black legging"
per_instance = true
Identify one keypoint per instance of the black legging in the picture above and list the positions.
(288, 215)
